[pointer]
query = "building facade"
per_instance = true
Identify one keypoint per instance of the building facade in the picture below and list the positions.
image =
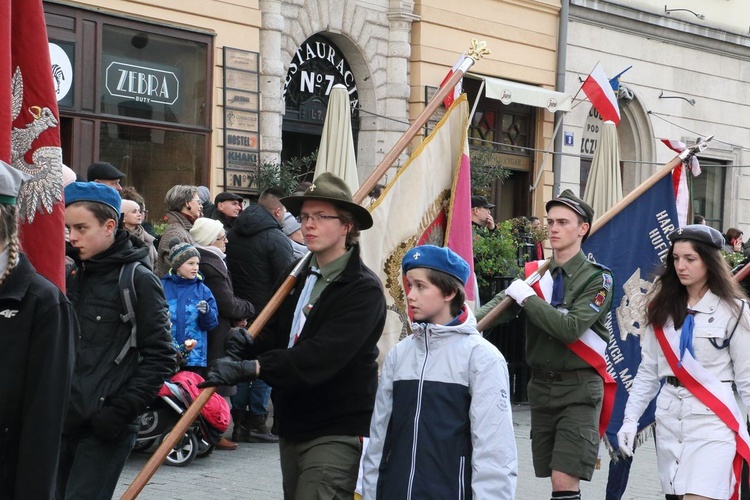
(689, 79)
(203, 92)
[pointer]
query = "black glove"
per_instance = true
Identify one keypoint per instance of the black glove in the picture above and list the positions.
(239, 343)
(227, 371)
(110, 422)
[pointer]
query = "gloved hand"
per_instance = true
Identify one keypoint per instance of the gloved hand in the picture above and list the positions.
(239, 343)
(626, 437)
(227, 371)
(519, 291)
(109, 423)
(202, 307)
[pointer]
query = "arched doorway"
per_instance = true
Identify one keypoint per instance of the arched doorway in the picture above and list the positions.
(316, 66)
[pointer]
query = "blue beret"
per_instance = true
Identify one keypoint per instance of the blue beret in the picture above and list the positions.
(698, 232)
(438, 258)
(95, 192)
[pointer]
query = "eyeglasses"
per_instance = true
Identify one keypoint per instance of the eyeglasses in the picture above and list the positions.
(223, 237)
(303, 218)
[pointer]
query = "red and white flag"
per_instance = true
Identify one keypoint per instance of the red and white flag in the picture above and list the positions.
(599, 91)
(427, 202)
(680, 182)
(29, 134)
(452, 96)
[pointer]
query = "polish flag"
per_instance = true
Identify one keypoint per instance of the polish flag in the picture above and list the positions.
(679, 181)
(452, 96)
(599, 91)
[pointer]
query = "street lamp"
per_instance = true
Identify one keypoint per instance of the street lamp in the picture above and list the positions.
(669, 11)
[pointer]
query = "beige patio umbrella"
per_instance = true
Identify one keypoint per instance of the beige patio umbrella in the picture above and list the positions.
(604, 186)
(336, 152)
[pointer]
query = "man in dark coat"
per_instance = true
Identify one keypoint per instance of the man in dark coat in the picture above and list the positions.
(38, 329)
(319, 351)
(228, 207)
(113, 381)
(258, 253)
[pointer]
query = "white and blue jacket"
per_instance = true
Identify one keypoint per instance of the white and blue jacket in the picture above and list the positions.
(442, 424)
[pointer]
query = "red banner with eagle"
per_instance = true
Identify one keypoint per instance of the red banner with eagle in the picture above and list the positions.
(30, 138)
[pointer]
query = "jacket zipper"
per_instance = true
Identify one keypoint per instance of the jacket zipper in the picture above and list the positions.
(461, 485)
(412, 471)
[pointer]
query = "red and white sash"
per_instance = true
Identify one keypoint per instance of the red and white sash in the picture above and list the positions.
(590, 347)
(712, 392)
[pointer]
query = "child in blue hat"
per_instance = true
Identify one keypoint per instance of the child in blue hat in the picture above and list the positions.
(442, 425)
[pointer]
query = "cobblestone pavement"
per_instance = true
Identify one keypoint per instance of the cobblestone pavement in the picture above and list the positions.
(252, 472)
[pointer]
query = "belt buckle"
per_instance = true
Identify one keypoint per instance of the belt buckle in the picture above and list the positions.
(551, 376)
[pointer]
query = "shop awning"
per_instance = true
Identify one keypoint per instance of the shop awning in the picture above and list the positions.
(509, 92)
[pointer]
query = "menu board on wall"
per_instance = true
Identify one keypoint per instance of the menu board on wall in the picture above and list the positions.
(241, 120)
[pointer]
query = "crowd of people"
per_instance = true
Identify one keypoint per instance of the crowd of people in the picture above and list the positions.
(436, 422)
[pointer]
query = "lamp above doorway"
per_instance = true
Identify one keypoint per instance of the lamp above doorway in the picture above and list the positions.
(689, 101)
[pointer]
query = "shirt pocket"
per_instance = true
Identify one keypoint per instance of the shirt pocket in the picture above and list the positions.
(704, 338)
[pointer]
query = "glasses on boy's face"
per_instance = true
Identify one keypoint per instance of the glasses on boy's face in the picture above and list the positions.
(303, 218)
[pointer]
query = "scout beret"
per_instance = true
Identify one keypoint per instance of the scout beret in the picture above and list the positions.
(438, 258)
(698, 232)
(103, 170)
(95, 192)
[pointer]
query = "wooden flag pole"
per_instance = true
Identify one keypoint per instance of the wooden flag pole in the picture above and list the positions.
(476, 52)
(496, 311)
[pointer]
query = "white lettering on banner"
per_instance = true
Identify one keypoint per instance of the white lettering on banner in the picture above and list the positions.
(658, 235)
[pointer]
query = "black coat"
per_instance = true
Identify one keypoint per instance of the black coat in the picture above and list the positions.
(258, 253)
(129, 387)
(38, 330)
(325, 385)
(231, 308)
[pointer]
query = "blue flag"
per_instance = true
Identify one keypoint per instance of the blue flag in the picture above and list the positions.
(632, 244)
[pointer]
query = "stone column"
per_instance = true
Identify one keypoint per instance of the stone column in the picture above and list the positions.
(271, 80)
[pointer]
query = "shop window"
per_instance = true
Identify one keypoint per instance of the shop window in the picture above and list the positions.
(708, 192)
(147, 76)
(153, 159)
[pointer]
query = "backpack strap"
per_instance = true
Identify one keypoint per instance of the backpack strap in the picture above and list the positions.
(129, 300)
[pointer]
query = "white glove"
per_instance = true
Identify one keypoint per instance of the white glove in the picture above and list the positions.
(519, 291)
(202, 307)
(626, 437)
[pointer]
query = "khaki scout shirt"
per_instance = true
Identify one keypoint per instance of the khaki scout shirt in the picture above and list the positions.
(588, 297)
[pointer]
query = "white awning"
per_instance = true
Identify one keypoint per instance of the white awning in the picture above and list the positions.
(509, 92)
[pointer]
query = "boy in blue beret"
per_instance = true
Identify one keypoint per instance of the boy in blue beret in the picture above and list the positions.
(118, 370)
(442, 425)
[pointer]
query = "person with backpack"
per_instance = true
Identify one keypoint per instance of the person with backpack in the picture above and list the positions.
(192, 306)
(38, 329)
(123, 355)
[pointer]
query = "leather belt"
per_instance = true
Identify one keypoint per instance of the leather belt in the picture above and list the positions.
(553, 376)
(675, 382)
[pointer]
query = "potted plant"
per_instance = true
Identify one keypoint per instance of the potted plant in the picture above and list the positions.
(495, 258)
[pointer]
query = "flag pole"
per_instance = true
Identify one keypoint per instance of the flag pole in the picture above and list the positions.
(476, 51)
(496, 311)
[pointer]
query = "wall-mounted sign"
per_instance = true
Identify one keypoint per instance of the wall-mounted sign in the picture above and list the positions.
(569, 138)
(61, 56)
(239, 99)
(142, 83)
(241, 127)
(316, 67)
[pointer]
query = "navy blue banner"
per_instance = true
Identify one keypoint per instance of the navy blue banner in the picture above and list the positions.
(632, 244)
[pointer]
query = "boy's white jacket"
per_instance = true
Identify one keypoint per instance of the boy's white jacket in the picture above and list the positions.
(442, 424)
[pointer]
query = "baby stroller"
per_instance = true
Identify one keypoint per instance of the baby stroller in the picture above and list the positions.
(160, 417)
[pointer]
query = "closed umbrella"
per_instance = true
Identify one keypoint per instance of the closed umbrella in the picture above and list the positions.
(604, 186)
(336, 152)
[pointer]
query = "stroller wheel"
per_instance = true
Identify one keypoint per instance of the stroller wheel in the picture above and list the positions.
(204, 447)
(184, 451)
(144, 445)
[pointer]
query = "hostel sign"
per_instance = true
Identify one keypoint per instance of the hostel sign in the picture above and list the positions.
(142, 83)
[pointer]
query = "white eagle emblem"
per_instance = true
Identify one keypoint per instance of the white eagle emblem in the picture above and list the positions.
(45, 188)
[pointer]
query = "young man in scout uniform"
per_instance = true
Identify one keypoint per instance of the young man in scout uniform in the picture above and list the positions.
(319, 352)
(565, 391)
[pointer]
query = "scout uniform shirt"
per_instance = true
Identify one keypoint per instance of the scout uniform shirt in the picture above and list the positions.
(587, 300)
